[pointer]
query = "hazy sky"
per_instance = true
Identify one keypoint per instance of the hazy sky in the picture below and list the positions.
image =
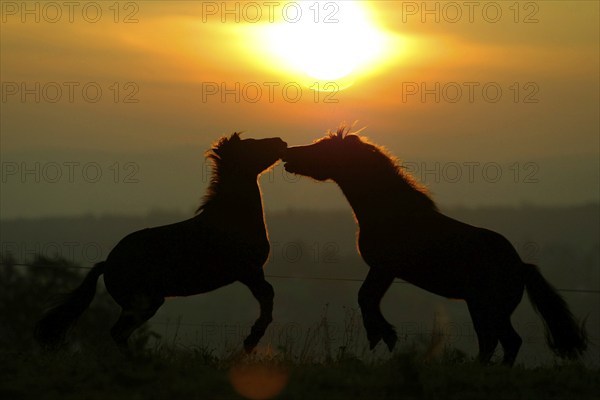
(109, 109)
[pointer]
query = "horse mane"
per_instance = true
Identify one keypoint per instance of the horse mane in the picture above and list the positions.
(384, 161)
(217, 157)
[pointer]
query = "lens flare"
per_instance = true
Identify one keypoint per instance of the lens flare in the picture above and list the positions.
(258, 381)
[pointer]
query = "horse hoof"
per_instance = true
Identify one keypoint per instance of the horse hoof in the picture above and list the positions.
(390, 339)
(391, 342)
(249, 346)
(373, 341)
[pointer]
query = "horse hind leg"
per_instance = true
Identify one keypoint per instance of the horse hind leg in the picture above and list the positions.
(132, 317)
(510, 340)
(264, 293)
(486, 330)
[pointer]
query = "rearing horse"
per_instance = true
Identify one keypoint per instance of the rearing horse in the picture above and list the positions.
(226, 241)
(403, 235)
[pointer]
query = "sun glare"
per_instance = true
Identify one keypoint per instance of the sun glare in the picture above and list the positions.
(331, 41)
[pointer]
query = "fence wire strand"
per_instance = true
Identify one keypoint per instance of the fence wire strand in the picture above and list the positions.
(315, 278)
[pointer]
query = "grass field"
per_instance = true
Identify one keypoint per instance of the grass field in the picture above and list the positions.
(320, 366)
(194, 373)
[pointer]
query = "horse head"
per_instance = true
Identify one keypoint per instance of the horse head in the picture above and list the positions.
(244, 157)
(336, 155)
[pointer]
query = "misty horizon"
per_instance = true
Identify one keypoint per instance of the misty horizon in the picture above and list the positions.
(101, 183)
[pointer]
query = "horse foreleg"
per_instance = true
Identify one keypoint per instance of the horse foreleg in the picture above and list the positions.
(369, 297)
(263, 292)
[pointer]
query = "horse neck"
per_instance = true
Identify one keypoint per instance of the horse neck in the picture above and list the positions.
(236, 202)
(375, 199)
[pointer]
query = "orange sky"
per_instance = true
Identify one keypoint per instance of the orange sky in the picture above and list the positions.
(168, 54)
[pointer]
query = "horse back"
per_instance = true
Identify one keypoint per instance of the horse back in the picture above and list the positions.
(438, 253)
(186, 258)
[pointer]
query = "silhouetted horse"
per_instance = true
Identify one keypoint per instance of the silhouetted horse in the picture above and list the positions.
(226, 241)
(403, 235)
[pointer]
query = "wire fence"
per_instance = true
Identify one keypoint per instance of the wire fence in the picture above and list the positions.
(176, 323)
(315, 278)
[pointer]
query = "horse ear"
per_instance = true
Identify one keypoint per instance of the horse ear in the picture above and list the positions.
(351, 137)
(218, 147)
(235, 137)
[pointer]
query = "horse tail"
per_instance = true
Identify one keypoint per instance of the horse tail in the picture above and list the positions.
(565, 337)
(51, 330)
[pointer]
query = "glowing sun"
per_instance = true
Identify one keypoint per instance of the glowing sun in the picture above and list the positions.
(327, 41)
